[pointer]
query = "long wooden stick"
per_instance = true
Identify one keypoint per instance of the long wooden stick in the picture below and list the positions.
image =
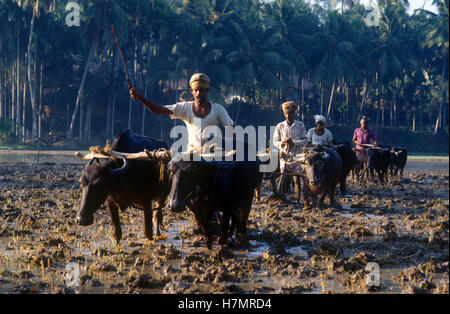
(116, 39)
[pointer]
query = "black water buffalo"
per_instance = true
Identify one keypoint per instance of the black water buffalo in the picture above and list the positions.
(399, 157)
(378, 159)
(206, 187)
(349, 160)
(323, 169)
(123, 183)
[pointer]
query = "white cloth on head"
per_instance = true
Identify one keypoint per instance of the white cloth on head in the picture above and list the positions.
(184, 111)
(323, 139)
(319, 117)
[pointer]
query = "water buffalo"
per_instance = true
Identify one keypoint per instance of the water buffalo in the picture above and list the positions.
(323, 169)
(349, 160)
(378, 159)
(206, 187)
(122, 183)
(399, 157)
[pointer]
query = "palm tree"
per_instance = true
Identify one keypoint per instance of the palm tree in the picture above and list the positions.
(335, 50)
(435, 35)
(390, 55)
(98, 17)
(296, 23)
(11, 21)
(37, 6)
(257, 58)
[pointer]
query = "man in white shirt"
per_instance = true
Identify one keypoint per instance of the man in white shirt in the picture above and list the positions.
(289, 137)
(290, 134)
(197, 114)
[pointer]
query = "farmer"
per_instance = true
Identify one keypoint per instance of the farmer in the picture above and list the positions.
(289, 136)
(363, 135)
(197, 114)
(319, 135)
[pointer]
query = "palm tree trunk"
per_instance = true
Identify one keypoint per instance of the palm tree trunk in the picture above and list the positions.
(391, 117)
(67, 114)
(1, 94)
(40, 101)
(113, 116)
(363, 100)
(143, 111)
(108, 119)
(379, 98)
(441, 105)
(236, 116)
(303, 93)
(420, 122)
(321, 98)
(331, 100)
(129, 113)
(17, 126)
(88, 123)
(24, 108)
(30, 81)
(13, 99)
(80, 133)
(80, 90)
(346, 110)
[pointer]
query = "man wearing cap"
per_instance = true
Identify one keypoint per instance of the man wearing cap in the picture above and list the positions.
(289, 136)
(319, 135)
(197, 114)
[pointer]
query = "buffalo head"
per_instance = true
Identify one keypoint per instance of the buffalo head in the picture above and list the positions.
(95, 183)
(316, 170)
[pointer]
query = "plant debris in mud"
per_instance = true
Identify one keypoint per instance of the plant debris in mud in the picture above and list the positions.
(402, 226)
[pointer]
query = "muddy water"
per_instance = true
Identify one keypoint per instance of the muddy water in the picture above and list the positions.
(402, 226)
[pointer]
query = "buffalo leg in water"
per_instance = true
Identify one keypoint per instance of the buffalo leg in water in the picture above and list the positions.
(321, 199)
(148, 228)
(114, 211)
(297, 187)
(157, 217)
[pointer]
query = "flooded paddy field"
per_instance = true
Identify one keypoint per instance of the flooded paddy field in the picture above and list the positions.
(402, 226)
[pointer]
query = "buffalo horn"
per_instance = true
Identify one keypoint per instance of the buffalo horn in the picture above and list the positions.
(122, 169)
(90, 156)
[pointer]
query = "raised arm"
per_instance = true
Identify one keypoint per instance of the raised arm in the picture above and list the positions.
(155, 108)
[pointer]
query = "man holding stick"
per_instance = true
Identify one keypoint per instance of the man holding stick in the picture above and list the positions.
(208, 114)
